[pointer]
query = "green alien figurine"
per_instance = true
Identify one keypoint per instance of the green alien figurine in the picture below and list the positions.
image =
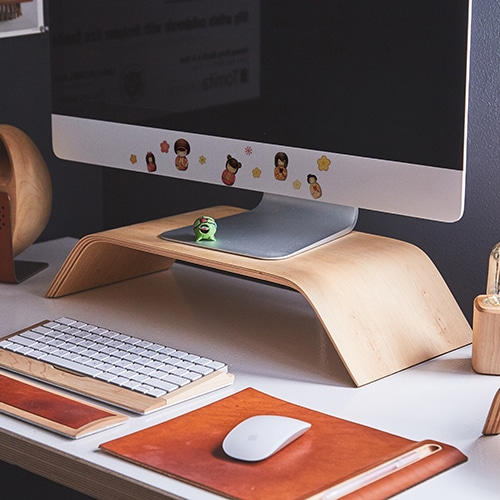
(204, 228)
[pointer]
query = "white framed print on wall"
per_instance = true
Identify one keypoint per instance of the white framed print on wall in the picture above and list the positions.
(21, 17)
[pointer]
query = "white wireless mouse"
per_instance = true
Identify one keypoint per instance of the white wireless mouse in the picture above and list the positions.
(261, 436)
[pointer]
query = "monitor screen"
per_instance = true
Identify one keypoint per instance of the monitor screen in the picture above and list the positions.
(354, 103)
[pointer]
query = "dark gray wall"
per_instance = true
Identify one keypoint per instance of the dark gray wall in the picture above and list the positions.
(461, 250)
(87, 198)
(25, 103)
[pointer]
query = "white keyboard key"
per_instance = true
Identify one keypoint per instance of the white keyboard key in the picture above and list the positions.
(66, 321)
(100, 356)
(130, 356)
(71, 365)
(32, 335)
(139, 377)
(124, 346)
(78, 349)
(46, 332)
(105, 367)
(159, 357)
(174, 379)
(216, 365)
(109, 350)
(37, 354)
(100, 331)
(203, 361)
(155, 347)
(156, 365)
(105, 376)
(13, 347)
(179, 371)
(78, 324)
(131, 384)
(138, 350)
(71, 355)
(128, 374)
(173, 361)
(204, 370)
(146, 370)
(55, 342)
(42, 329)
(185, 365)
(121, 337)
(163, 384)
(67, 346)
(19, 339)
(134, 367)
(24, 350)
(87, 343)
(88, 328)
(151, 391)
(166, 350)
(179, 354)
(119, 380)
(94, 363)
(158, 374)
(192, 376)
(116, 370)
(123, 363)
(49, 349)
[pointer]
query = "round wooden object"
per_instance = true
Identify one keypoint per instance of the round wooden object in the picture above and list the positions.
(24, 176)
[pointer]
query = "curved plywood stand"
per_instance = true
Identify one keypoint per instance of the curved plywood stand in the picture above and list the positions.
(382, 302)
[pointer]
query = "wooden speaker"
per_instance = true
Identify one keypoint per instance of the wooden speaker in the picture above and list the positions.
(26, 200)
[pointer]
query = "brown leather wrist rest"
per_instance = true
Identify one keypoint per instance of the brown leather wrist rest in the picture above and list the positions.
(53, 410)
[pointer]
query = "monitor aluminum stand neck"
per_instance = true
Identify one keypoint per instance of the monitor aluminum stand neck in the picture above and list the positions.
(277, 228)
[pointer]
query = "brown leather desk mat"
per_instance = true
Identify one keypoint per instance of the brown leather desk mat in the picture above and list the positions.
(189, 448)
(53, 410)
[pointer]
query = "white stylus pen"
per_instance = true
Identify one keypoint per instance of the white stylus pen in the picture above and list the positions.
(379, 472)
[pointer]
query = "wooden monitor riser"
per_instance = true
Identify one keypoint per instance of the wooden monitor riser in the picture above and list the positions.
(382, 302)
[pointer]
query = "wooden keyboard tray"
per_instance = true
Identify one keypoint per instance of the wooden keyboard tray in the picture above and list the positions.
(105, 391)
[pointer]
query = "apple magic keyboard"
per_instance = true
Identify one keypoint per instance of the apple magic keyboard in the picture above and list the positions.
(122, 370)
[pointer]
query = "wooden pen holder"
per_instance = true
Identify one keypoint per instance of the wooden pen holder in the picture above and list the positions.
(486, 337)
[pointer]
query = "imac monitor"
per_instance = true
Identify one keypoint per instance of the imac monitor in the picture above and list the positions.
(324, 106)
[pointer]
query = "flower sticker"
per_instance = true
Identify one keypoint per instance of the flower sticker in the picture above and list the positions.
(202, 160)
(324, 163)
(256, 173)
(297, 184)
(133, 159)
(164, 147)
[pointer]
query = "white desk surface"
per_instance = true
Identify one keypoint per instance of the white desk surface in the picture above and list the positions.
(272, 341)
